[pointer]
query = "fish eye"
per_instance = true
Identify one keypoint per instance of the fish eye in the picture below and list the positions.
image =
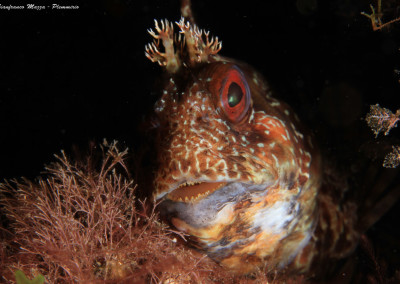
(235, 95)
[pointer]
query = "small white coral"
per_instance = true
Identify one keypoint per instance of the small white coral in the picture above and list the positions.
(392, 160)
(381, 119)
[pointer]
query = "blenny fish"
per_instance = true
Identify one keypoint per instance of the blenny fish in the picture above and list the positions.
(236, 169)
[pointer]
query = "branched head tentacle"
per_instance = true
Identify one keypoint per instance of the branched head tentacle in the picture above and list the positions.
(190, 47)
(170, 58)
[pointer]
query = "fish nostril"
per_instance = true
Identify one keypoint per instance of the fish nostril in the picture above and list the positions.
(204, 118)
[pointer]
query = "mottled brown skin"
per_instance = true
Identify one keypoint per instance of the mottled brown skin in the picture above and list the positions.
(243, 181)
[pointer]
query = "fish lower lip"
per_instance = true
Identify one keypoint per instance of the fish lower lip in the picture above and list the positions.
(194, 192)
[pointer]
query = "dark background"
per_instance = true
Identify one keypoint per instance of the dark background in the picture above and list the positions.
(68, 77)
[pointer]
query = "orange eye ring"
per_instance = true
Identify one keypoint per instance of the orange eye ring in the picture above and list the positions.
(235, 95)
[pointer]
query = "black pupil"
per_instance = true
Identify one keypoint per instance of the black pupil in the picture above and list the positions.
(235, 94)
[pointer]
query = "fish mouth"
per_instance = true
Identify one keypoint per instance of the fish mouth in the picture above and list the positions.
(194, 191)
